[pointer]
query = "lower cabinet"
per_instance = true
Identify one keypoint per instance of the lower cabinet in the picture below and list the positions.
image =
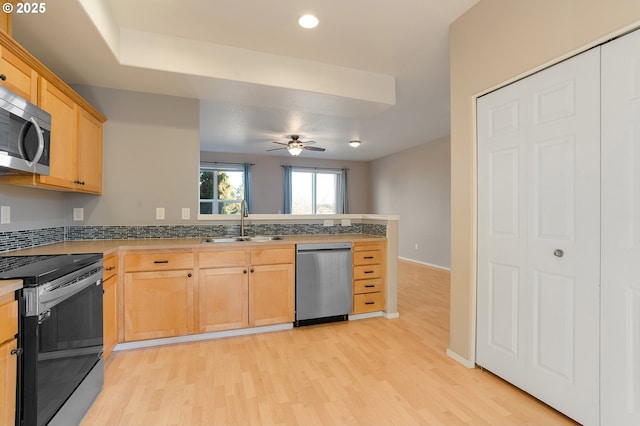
(157, 304)
(8, 361)
(246, 288)
(224, 298)
(369, 264)
(110, 303)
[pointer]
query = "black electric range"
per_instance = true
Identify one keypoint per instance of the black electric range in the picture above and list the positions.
(60, 335)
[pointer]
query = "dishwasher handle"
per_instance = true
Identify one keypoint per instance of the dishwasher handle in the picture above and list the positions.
(321, 247)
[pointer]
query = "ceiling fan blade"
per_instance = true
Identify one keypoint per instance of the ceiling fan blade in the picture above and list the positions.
(275, 149)
(313, 148)
(308, 142)
(280, 143)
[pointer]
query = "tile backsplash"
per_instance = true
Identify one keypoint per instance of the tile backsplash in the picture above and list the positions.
(14, 240)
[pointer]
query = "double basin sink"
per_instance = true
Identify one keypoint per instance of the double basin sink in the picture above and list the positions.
(230, 239)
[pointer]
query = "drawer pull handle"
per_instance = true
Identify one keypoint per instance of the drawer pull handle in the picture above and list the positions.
(369, 272)
(110, 268)
(189, 275)
(369, 303)
(368, 257)
(370, 285)
(160, 261)
(17, 352)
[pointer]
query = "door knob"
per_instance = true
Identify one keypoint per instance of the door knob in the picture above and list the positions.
(558, 253)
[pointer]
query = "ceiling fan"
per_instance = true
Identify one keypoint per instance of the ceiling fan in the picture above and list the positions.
(295, 146)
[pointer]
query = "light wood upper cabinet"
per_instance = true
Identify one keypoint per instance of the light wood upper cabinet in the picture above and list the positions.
(64, 113)
(76, 126)
(17, 76)
(89, 153)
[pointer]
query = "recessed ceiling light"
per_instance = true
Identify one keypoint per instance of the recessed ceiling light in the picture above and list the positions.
(308, 21)
(354, 143)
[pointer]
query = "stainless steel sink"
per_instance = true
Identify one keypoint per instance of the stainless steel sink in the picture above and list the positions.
(230, 239)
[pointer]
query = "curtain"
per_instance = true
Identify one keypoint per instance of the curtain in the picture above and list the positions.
(287, 190)
(247, 185)
(343, 196)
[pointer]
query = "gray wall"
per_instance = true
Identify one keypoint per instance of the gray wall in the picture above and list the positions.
(150, 159)
(267, 178)
(32, 208)
(416, 185)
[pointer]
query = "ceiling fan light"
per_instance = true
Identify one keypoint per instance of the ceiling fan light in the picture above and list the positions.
(308, 21)
(294, 150)
(354, 143)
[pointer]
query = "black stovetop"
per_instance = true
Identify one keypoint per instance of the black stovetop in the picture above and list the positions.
(40, 269)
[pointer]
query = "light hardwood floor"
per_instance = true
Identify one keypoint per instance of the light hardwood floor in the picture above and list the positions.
(368, 372)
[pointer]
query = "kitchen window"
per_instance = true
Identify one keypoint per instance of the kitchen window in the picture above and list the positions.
(315, 191)
(223, 187)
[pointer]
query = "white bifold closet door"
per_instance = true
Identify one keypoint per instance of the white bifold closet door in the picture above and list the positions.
(620, 364)
(538, 311)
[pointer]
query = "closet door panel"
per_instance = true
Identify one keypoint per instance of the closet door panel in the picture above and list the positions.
(620, 366)
(539, 235)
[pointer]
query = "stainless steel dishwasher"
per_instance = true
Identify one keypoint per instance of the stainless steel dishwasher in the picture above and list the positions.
(323, 283)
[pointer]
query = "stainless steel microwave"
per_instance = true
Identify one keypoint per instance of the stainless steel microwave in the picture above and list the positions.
(25, 136)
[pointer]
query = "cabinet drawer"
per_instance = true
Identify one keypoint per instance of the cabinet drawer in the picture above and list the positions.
(367, 257)
(8, 321)
(367, 271)
(272, 256)
(367, 302)
(110, 267)
(215, 259)
(367, 286)
(158, 261)
(366, 246)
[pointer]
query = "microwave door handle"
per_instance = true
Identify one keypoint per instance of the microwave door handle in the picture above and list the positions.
(40, 143)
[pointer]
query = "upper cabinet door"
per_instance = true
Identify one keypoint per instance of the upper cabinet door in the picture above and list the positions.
(19, 77)
(89, 153)
(63, 112)
(620, 366)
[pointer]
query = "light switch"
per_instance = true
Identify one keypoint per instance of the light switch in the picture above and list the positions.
(5, 215)
(328, 222)
(159, 213)
(186, 213)
(346, 222)
(78, 213)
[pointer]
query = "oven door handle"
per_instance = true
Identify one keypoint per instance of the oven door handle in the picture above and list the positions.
(55, 295)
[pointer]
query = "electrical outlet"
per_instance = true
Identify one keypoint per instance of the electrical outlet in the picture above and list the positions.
(5, 215)
(78, 214)
(159, 213)
(416, 246)
(328, 222)
(345, 222)
(186, 213)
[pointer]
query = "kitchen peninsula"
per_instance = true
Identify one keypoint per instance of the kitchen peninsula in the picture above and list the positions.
(133, 260)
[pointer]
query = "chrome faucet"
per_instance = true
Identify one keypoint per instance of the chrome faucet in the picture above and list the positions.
(244, 212)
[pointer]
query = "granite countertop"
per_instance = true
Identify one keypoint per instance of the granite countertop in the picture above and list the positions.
(109, 246)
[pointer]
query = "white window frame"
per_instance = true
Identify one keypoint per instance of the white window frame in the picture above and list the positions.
(315, 172)
(215, 202)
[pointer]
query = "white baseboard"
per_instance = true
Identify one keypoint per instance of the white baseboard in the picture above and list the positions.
(355, 317)
(391, 315)
(202, 336)
(424, 263)
(461, 360)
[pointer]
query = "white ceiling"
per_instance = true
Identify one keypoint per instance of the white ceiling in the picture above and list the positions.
(372, 70)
